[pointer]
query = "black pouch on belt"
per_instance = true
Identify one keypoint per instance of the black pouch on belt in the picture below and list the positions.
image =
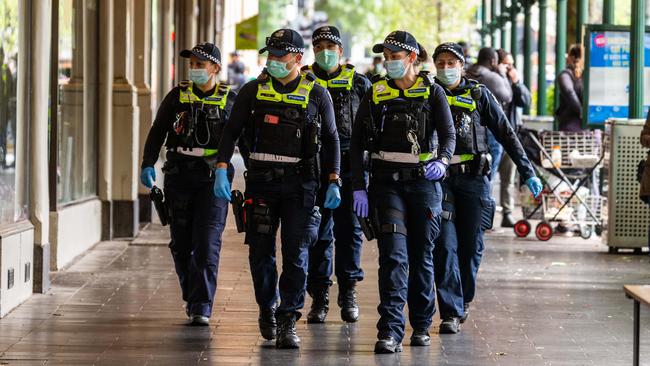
(488, 208)
(238, 210)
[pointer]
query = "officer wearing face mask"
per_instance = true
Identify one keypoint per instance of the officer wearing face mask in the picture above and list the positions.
(285, 118)
(468, 209)
(346, 87)
(189, 122)
(397, 124)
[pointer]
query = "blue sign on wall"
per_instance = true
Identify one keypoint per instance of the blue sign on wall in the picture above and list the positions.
(609, 72)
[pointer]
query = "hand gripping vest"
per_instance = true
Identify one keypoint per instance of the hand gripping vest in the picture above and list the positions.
(281, 131)
(346, 102)
(471, 134)
(200, 125)
(402, 132)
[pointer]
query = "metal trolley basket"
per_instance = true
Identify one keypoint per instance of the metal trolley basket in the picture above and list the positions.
(571, 195)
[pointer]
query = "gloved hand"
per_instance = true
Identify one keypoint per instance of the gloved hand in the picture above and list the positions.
(332, 197)
(148, 176)
(360, 204)
(221, 188)
(534, 185)
(434, 170)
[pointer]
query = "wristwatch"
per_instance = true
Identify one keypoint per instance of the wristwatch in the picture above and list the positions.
(444, 160)
(337, 181)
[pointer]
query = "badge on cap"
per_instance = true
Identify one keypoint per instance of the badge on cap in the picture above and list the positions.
(279, 33)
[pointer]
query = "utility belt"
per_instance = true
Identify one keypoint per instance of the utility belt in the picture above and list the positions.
(267, 172)
(481, 164)
(196, 151)
(178, 164)
(405, 174)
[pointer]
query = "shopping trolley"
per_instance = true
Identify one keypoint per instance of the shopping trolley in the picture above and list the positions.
(571, 194)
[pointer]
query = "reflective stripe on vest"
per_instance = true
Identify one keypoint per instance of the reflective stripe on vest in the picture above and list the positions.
(382, 92)
(398, 157)
(197, 151)
(343, 80)
(218, 98)
(273, 158)
(462, 158)
(300, 96)
(464, 101)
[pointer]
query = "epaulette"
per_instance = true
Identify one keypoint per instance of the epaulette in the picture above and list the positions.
(428, 77)
(310, 76)
(375, 78)
(305, 68)
(184, 84)
(263, 75)
(350, 66)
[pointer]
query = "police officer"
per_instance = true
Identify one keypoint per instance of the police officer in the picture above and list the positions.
(468, 209)
(283, 119)
(397, 124)
(346, 87)
(190, 121)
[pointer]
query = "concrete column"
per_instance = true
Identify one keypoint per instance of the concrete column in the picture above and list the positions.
(141, 75)
(164, 59)
(105, 156)
(207, 12)
(186, 26)
(125, 124)
(39, 211)
(638, 24)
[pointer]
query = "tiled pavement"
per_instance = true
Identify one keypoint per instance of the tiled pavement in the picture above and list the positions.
(557, 303)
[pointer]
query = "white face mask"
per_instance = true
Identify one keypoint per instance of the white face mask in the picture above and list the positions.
(448, 76)
(199, 76)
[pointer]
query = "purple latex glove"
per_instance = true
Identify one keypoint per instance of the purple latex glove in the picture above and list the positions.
(360, 203)
(434, 170)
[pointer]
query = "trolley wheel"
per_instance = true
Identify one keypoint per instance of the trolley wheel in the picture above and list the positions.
(612, 250)
(585, 232)
(522, 228)
(599, 230)
(544, 231)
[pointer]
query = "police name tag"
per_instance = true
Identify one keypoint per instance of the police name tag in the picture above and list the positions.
(299, 98)
(464, 99)
(339, 82)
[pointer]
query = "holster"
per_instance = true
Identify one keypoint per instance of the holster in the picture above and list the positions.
(158, 198)
(238, 210)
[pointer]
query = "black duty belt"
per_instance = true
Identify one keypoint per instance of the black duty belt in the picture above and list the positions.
(265, 173)
(398, 175)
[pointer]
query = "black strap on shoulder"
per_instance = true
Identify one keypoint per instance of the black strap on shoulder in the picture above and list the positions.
(184, 84)
(375, 78)
(428, 77)
(310, 76)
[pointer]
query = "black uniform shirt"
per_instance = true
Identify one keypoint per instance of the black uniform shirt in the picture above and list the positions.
(320, 103)
(440, 116)
(493, 117)
(162, 129)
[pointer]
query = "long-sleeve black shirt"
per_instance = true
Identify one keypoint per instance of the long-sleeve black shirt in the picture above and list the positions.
(493, 117)
(320, 104)
(162, 129)
(440, 116)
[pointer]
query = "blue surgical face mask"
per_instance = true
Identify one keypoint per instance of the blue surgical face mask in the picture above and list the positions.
(327, 59)
(277, 69)
(448, 76)
(395, 69)
(199, 76)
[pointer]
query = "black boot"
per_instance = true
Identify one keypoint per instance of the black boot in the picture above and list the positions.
(267, 323)
(464, 317)
(319, 305)
(420, 338)
(388, 345)
(287, 337)
(450, 325)
(347, 300)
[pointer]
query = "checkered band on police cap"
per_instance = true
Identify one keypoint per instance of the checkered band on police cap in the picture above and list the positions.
(206, 55)
(327, 32)
(402, 45)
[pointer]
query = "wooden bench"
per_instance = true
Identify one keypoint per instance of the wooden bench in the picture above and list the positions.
(640, 294)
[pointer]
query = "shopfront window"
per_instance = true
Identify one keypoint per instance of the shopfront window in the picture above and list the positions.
(77, 101)
(13, 206)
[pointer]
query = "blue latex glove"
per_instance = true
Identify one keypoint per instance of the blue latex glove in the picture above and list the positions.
(148, 176)
(332, 197)
(221, 188)
(360, 205)
(434, 170)
(535, 186)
